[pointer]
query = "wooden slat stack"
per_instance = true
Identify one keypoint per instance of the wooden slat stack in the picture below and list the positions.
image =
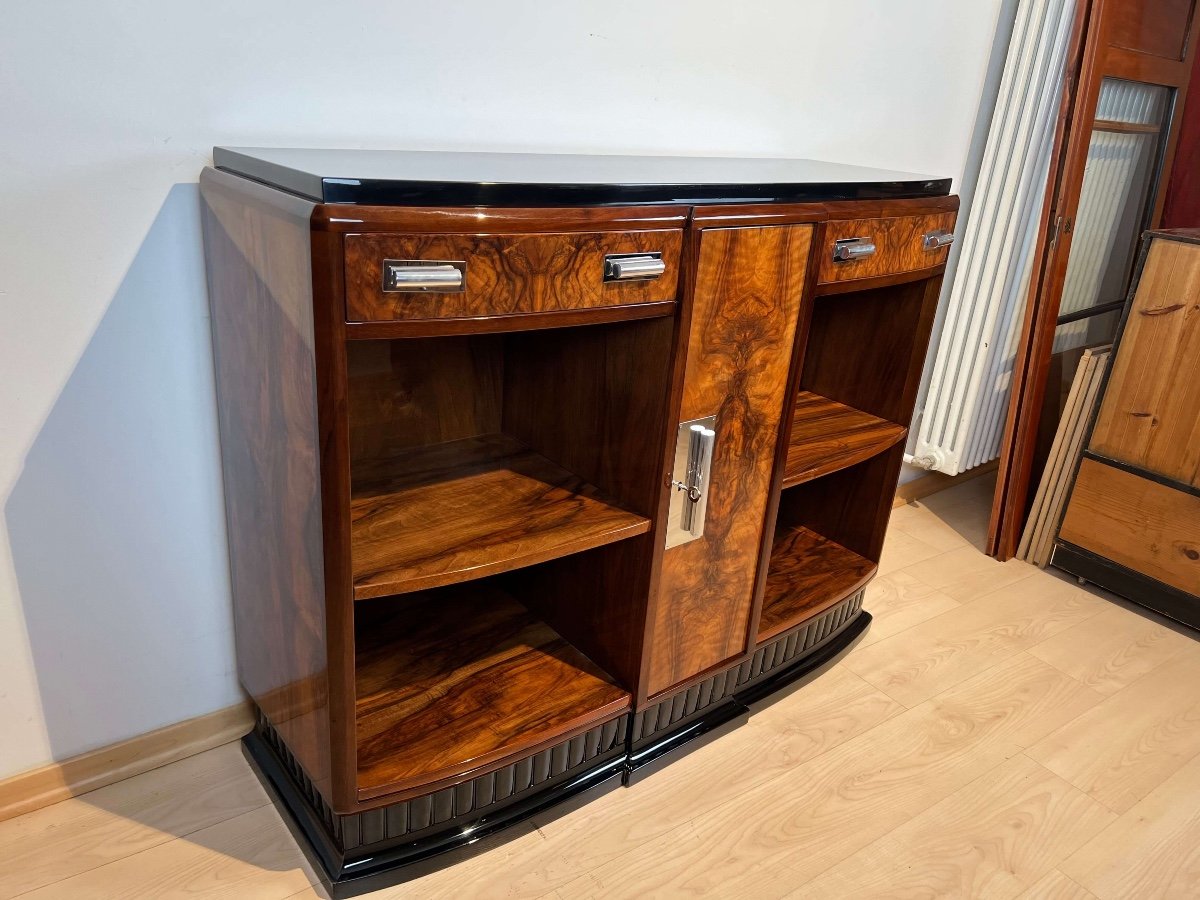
(1044, 517)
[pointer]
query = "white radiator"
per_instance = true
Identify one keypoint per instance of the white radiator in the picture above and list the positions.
(984, 294)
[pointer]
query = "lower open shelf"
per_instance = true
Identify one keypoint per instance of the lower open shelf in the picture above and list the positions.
(808, 573)
(454, 679)
(445, 513)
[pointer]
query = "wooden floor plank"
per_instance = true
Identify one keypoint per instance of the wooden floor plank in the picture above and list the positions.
(920, 522)
(1113, 649)
(126, 818)
(1057, 886)
(994, 838)
(929, 658)
(1125, 747)
(903, 549)
(250, 857)
(898, 602)
(966, 574)
(1153, 850)
(822, 811)
(807, 723)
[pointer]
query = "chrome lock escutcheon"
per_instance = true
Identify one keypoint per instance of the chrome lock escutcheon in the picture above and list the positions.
(690, 480)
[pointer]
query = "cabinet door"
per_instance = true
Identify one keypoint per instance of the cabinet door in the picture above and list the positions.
(745, 308)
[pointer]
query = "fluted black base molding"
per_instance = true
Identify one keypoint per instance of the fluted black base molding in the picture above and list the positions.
(367, 851)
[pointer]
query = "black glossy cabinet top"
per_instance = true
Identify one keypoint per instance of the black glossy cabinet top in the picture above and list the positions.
(429, 178)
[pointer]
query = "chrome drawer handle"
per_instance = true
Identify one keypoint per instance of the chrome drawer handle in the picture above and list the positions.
(633, 266)
(432, 275)
(846, 249)
(936, 240)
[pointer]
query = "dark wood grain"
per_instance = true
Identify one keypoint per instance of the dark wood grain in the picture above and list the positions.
(745, 309)
(559, 318)
(451, 681)
(851, 506)
(411, 393)
(259, 277)
(506, 274)
(595, 401)
(827, 436)
(858, 377)
(899, 242)
(329, 351)
(866, 349)
(1181, 207)
(808, 574)
(438, 515)
(879, 281)
(1154, 27)
(779, 466)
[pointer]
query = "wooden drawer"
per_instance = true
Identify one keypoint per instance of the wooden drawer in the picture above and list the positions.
(1143, 525)
(506, 274)
(899, 246)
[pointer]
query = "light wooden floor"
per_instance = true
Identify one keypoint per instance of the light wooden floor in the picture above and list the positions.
(1000, 732)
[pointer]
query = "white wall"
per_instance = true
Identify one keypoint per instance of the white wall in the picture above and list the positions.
(114, 606)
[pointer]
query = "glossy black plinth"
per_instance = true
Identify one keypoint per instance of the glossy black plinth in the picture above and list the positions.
(348, 874)
(431, 178)
(363, 852)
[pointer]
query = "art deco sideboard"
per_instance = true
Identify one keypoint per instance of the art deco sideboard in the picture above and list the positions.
(541, 469)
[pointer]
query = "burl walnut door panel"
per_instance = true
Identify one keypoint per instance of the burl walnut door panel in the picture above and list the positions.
(746, 306)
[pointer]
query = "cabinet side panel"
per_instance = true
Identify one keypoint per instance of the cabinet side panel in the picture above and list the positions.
(258, 257)
(746, 305)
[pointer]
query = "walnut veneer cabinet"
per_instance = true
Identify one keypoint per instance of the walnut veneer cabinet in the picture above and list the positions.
(540, 469)
(1132, 521)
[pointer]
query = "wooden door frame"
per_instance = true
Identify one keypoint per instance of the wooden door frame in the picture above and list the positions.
(1091, 59)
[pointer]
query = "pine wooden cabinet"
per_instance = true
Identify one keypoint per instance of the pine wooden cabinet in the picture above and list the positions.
(1132, 522)
(538, 470)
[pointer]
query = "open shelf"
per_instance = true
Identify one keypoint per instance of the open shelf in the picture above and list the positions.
(435, 515)
(451, 680)
(808, 573)
(827, 436)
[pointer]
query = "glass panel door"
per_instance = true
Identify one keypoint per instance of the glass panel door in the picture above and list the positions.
(1123, 159)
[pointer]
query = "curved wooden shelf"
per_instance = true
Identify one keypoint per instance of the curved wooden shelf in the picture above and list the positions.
(451, 512)
(828, 436)
(808, 574)
(448, 682)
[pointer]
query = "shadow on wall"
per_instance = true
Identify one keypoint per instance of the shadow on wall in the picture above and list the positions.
(116, 522)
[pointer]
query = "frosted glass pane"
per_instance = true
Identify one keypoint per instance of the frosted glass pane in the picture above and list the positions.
(1122, 160)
